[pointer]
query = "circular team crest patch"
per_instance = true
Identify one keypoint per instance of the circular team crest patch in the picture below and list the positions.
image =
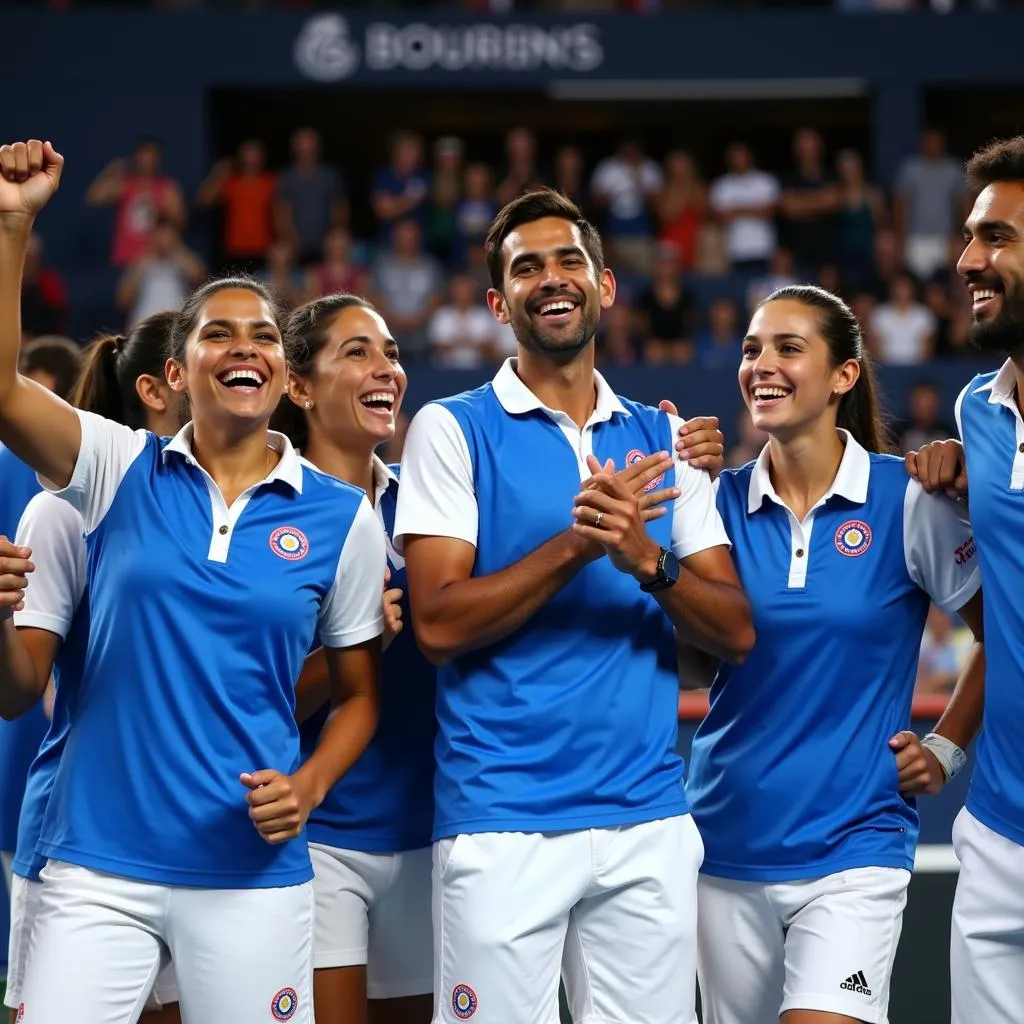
(633, 457)
(463, 1002)
(284, 1004)
(853, 538)
(289, 543)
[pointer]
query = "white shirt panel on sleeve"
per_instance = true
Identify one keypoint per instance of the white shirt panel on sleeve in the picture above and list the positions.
(696, 524)
(53, 529)
(353, 611)
(437, 497)
(956, 411)
(108, 450)
(939, 547)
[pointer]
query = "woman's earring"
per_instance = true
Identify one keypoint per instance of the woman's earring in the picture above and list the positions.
(309, 405)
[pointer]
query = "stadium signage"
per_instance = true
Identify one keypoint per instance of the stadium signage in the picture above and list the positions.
(328, 50)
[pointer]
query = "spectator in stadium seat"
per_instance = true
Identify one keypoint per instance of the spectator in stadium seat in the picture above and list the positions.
(666, 310)
(407, 285)
(476, 266)
(244, 189)
(463, 334)
(863, 306)
(568, 175)
(370, 838)
(473, 213)
(798, 770)
(338, 273)
(521, 172)
(862, 214)
(829, 278)
(619, 340)
(711, 259)
(624, 188)
(744, 200)
(885, 268)
(930, 204)
(902, 330)
(781, 273)
(311, 199)
(44, 298)
(287, 283)
(445, 193)
(203, 865)
(811, 200)
(923, 423)
(121, 378)
(161, 277)
(401, 191)
(718, 344)
(52, 361)
(143, 196)
(682, 206)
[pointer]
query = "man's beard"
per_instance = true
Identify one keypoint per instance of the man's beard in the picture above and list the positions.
(535, 339)
(1005, 331)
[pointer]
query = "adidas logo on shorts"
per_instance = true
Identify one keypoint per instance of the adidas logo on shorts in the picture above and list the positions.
(856, 983)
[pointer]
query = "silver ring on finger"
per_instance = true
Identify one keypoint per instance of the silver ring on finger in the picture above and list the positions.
(598, 518)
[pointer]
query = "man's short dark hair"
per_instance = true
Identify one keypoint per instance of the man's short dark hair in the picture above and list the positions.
(526, 209)
(56, 356)
(1002, 160)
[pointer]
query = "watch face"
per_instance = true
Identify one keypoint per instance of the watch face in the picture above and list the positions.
(670, 566)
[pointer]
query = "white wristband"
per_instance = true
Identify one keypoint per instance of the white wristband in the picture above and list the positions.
(950, 757)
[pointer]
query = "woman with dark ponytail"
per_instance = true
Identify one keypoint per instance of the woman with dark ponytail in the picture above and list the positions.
(370, 838)
(801, 772)
(122, 379)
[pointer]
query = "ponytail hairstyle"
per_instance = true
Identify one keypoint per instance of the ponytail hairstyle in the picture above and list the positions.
(112, 365)
(305, 335)
(859, 409)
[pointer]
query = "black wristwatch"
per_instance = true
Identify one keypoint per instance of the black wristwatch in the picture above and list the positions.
(668, 573)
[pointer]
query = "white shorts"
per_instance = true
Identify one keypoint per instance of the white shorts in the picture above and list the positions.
(374, 909)
(239, 954)
(615, 908)
(825, 944)
(986, 957)
(25, 896)
(24, 907)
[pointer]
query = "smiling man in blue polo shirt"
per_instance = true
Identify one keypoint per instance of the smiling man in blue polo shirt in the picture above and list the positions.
(562, 838)
(987, 943)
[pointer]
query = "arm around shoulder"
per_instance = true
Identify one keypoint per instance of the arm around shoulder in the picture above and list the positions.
(707, 605)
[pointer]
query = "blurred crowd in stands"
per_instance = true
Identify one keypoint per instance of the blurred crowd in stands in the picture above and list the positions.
(693, 252)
